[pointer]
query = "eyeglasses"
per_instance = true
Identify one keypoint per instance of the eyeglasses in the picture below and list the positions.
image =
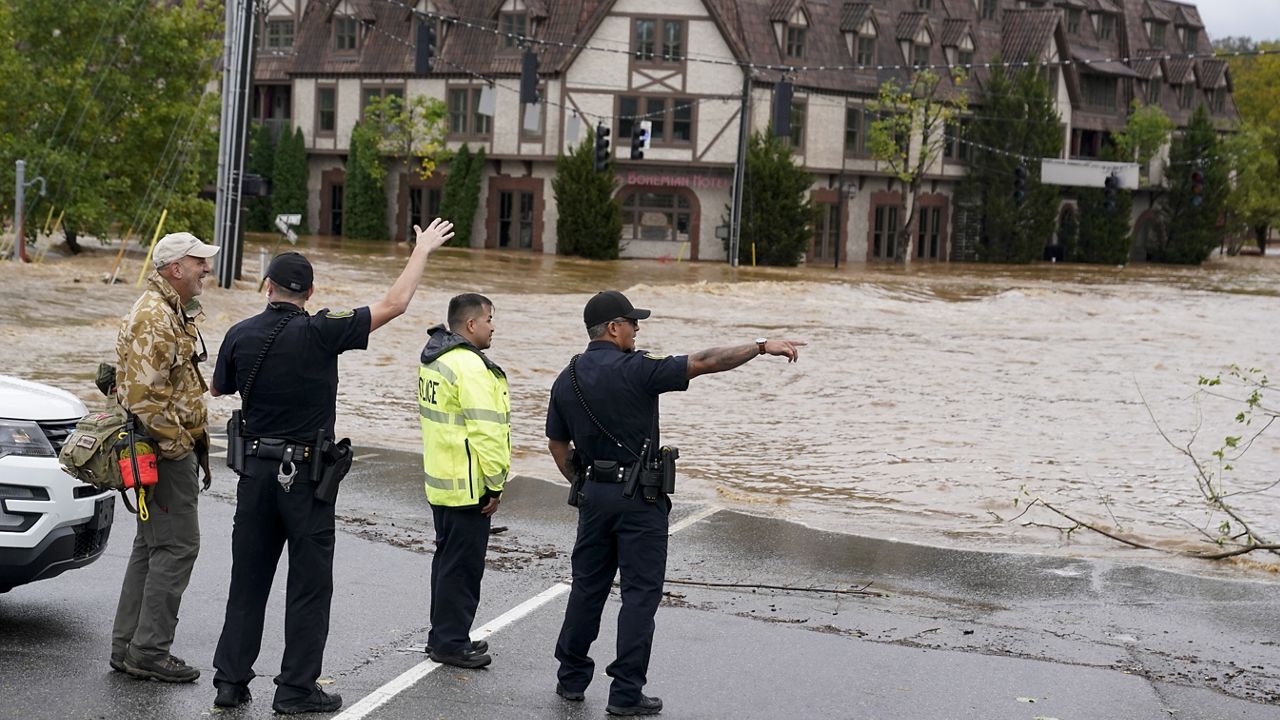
(633, 323)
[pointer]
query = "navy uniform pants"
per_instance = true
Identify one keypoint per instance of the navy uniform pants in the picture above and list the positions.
(266, 519)
(462, 538)
(615, 535)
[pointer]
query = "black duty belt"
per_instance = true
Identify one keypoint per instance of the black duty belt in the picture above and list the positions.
(278, 449)
(606, 471)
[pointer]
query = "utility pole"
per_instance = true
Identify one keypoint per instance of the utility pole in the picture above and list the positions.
(237, 81)
(19, 209)
(740, 170)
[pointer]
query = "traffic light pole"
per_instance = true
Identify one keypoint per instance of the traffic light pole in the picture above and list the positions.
(237, 81)
(740, 170)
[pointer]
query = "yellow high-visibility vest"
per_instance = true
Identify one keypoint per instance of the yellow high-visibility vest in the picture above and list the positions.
(466, 428)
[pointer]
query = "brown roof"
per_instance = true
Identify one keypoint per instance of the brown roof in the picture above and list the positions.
(1146, 67)
(909, 24)
(781, 10)
(1212, 73)
(1187, 15)
(1179, 70)
(1154, 12)
(1026, 33)
(853, 15)
(1107, 6)
(1096, 62)
(953, 30)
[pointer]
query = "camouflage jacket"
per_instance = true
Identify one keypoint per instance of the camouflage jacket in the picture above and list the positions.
(156, 377)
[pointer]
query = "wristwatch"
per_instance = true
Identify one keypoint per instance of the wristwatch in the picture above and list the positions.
(761, 341)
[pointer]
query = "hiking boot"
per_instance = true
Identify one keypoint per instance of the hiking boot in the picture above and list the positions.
(317, 701)
(477, 646)
(232, 694)
(646, 706)
(166, 669)
(467, 659)
(567, 694)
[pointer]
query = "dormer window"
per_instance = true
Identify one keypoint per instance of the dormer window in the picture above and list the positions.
(866, 50)
(919, 55)
(924, 4)
(1189, 37)
(1104, 25)
(1153, 92)
(345, 33)
(1073, 20)
(987, 9)
(795, 41)
(514, 27)
(1155, 31)
(279, 33)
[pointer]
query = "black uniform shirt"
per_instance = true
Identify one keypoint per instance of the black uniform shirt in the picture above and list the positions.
(622, 389)
(296, 390)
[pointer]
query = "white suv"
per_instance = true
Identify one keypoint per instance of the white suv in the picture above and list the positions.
(49, 521)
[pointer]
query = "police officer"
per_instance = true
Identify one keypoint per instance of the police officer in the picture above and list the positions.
(603, 409)
(284, 364)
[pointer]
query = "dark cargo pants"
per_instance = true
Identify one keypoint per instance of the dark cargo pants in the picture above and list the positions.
(164, 552)
(457, 567)
(614, 534)
(267, 517)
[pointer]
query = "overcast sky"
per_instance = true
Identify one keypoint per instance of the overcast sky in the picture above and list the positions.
(1258, 19)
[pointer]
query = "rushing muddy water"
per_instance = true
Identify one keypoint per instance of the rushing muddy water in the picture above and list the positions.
(927, 402)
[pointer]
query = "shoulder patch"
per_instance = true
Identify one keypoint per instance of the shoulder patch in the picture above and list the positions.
(656, 356)
(340, 314)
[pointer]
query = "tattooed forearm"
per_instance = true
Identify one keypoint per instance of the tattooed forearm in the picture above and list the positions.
(714, 360)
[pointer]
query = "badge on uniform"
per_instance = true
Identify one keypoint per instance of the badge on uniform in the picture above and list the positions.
(655, 356)
(339, 314)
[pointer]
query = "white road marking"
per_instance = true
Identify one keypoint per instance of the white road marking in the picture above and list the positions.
(410, 677)
(365, 456)
(697, 516)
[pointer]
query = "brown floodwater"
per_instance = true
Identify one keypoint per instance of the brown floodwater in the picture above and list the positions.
(930, 405)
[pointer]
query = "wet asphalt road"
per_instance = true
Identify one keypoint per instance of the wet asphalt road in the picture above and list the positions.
(949, 634)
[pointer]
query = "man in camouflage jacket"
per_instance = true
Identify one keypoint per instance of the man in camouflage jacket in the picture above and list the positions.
(157, 379)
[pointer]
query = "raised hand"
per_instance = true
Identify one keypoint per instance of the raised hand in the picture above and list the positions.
(436, 234)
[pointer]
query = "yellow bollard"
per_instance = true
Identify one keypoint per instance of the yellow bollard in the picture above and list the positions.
(753, 253)
(154, 239)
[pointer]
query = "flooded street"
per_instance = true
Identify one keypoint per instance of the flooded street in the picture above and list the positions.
(928, 401)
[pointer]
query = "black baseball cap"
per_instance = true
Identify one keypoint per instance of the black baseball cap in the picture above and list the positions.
(610, 304)
(291, 271)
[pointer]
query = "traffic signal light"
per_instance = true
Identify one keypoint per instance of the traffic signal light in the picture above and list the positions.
(529, 77)
(602, 147)
(640, 139)
(1197, 188)
(1110, 187)
(782, 109)
(1019, 184)
(425, 49)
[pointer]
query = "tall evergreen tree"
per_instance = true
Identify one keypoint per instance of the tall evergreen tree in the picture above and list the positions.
(289, 178)
(365, 199)
(262, 153)
(469, 200)
(451, 204)
(1017, 116)
(590, 223)
(1104, 236)
(1192, 225)
(778, 213)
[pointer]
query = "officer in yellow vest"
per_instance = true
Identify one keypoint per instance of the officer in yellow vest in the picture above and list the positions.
(466, 455)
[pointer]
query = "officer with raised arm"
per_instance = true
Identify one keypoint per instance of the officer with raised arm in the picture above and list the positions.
(284, 364)
(602, 431)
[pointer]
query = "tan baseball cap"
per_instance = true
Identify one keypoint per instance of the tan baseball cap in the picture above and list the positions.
(175, 246)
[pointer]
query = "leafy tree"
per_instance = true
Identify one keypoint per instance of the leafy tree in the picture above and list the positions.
(1191, 224)
(365, 212)
(909, 136)
(108, 102)
(1254, 154)
(469, 200)
(289, 178)
(778, 212)
(261, 161)
(1017, 116)
(1146, 130)
(413, 132)
(590, 223)
(1256, 93)
(451, 198)
(1103, 236)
